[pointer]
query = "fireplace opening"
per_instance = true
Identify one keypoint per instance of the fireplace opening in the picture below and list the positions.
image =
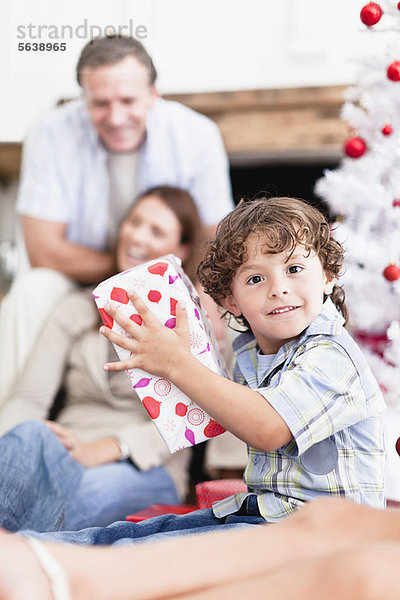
(283, 179)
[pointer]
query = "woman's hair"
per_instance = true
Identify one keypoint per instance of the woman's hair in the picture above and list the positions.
(283, 223)
(184, 208)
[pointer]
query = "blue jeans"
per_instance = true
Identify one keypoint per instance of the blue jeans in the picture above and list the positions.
(122, 533)
(108, 493)
(42, 488)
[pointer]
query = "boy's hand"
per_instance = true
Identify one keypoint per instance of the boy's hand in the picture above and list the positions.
(154, 347)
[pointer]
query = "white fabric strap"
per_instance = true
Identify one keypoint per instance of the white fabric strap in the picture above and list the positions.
(52, 568)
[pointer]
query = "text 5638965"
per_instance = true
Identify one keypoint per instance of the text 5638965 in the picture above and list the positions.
(42, 46)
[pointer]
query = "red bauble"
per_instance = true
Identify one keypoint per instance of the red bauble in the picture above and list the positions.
(393, 71)
(391, 273)
(387, 129)
(398, 6)
(371, 13)
(398, 439)
(355, 147)
(396, 202)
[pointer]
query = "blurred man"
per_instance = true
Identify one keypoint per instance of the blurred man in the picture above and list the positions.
(81, 169)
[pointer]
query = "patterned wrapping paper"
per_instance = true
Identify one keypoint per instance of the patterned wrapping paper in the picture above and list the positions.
(161, 284)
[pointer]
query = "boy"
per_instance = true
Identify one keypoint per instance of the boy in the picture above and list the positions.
(311, 414)
(308, 407)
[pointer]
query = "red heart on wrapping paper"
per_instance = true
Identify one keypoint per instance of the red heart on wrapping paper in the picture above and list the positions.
(154, 296)
(136, 319)
(158, 268)
(119, 295)
(105, 317)
(152, 406)
(213, 429)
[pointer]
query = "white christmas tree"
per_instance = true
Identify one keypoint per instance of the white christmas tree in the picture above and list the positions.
(364, 195)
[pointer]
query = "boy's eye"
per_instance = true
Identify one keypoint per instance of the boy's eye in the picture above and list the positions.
(294, 269)
(254, 279)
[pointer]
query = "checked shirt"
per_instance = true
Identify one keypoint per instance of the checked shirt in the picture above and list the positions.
(322, 387)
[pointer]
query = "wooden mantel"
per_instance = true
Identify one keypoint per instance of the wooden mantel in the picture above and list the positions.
(275, 124)
(258, 126)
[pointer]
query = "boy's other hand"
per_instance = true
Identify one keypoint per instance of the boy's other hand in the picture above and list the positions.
(154, 347)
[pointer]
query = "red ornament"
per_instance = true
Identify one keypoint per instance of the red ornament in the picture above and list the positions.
(396, 202)
(107, 320)
(387, 129)
(172, 306)
(136, 319)
(392, 272)
(180, 409)
(158, 268)
(152, 406)
(355, 147)
(213, 429)
(398, 439)
(119, 295)
(398, 6)
(393, 71)
(154, 296)
(371, 13)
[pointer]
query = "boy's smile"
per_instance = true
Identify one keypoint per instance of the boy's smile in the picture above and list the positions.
(279, 295)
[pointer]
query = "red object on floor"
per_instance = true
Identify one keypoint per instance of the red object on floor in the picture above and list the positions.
(160, 509)
(208, 492)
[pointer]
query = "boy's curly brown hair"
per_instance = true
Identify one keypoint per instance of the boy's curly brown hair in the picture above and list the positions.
(283, 223)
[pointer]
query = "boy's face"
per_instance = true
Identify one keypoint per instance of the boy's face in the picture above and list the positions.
(278, 295)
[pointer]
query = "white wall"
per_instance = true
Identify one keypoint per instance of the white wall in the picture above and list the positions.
(205, 45)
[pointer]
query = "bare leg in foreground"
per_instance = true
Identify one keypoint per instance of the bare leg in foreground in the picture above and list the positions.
(328, 546)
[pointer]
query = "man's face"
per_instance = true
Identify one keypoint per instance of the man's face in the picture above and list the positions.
(279, 294)
(119, 97)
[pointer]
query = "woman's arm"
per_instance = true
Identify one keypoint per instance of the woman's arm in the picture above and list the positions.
(41, 378)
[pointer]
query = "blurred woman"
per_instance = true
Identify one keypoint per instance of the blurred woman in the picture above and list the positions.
(102, 454)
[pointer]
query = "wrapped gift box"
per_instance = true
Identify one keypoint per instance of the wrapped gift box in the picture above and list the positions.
(161, 284)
